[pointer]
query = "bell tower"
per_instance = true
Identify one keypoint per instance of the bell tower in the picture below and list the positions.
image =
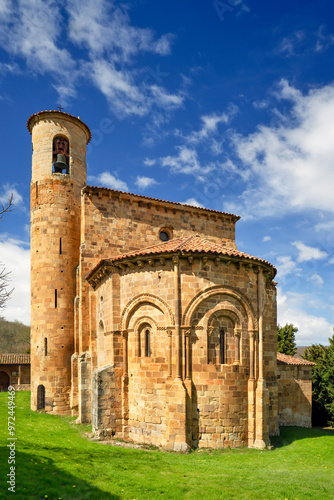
(58, 174)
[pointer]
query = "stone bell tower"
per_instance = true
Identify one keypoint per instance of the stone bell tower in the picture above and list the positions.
(58, 174)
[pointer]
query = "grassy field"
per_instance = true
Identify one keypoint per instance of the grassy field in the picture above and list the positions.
(54, 460)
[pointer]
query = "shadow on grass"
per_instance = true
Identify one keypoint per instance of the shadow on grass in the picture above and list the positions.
(290, 434)
(38, 477)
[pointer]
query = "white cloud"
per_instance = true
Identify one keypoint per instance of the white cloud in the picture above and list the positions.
(290, 44)
(285, 265)
(324, 41)
(266, 238)
(149, 162)
(118, 87)
(103, 27)
(165, 100)
(311, 329)
(187, 162)
(307, 253)
(16, 261)
(316, 279)
(193, 202)
(144, 182)
(291, 162)
(210, 125)
(6, 191)
(106, 179)
(32, 30)
(36, 30)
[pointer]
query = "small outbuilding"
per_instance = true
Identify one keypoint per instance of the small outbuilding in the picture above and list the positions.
(294, 376)
(15, 371)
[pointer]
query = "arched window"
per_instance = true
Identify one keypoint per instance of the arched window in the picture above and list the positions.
(222, 346)
(40, 397)
(147, 342)
(60, 155)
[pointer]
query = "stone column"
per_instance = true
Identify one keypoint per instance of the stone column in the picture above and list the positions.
(170, 352)
(187, 333)
(125, 387)
(262, 393)
(177, 392)
(177, 308)
(237, 335)
(251, 390)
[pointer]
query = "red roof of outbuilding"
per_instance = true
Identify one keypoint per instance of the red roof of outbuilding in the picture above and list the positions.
(14, 359)
(284, 359)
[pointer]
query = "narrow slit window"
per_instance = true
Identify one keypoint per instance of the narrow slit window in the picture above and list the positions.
(222, 346)
(56, 298)
(147, 343)
(40, 397)
(60, 247)
(45, 346)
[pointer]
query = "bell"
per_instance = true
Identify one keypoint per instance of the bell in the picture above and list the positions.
(60, 164)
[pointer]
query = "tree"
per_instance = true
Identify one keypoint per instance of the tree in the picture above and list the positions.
(286, 339)
(4, 276)
(322, 382)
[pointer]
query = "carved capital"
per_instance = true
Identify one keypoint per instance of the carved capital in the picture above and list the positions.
(237, 332)
(186, 330)
(176, 259)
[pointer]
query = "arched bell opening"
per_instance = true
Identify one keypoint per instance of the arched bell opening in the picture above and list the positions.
(60, 155)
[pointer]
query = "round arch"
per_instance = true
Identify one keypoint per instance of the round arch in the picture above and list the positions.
(220, 290)
(146, 298)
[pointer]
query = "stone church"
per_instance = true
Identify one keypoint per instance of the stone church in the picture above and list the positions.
(146, 320)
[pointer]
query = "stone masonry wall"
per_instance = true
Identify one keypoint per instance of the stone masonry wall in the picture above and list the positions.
(216, 394)
(115, 223)
(55, 242)
(295, 395)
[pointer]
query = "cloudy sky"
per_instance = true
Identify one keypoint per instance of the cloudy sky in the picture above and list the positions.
(227, 105)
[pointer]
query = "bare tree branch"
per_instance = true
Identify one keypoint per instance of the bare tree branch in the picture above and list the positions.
(4, 276)
(6, 208)
(4, 292)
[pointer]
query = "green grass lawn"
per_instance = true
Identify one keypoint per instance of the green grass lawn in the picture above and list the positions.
(54, 460)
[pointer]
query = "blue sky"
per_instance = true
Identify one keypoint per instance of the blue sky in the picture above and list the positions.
(223, 104)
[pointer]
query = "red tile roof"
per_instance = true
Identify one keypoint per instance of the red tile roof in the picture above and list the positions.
(189, 244)
(14, 359)
(284, 359)
(58, 113)
(88, 188)
(182, 246)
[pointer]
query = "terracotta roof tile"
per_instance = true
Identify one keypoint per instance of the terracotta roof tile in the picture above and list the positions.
(58, 113)
(88, 188)
(186, 245)
(189, 244)
(14, 359)
(284, 359)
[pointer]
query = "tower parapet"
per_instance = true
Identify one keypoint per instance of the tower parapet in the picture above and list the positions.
(58, 175)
